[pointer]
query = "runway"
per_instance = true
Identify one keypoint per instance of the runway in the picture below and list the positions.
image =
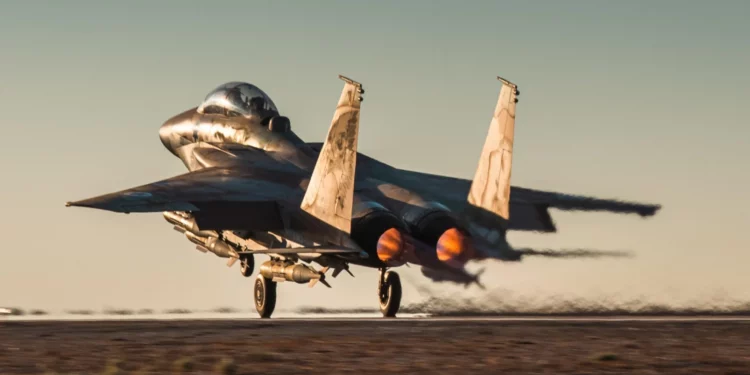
(324, 345)
(372, 317)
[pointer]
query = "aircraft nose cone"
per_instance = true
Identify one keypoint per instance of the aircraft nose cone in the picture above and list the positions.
(175, 129)
(164, 132)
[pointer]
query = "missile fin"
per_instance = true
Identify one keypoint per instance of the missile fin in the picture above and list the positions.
(324, 282)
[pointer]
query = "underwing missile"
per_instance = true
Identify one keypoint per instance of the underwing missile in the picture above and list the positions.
(187, 223)
(298, 273)
(214, 245)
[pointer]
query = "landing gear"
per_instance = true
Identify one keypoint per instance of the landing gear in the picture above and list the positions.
(389, 293)
(264, 296)
(247, 264)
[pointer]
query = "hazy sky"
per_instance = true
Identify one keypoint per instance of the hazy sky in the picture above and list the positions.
(638, 100)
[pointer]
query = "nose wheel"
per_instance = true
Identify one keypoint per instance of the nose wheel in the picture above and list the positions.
(389, 293)
(247, 263)
(264, 296)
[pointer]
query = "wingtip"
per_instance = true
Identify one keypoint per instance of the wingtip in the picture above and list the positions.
(75, 204)
(82, 203)
(650, 210)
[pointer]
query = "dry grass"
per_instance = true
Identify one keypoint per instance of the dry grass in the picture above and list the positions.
(226, 366)
(183, 365)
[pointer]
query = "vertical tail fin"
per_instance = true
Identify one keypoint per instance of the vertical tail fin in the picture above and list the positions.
(490, 189)
(330, 193)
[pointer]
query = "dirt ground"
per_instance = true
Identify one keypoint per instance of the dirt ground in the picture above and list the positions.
(375, 347)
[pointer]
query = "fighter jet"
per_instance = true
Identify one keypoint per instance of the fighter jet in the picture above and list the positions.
(254, 187)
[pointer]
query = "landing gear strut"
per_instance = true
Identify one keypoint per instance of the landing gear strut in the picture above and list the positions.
(264, 296)
(389, 293)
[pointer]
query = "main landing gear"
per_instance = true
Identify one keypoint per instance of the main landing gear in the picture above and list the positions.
(264, 296)
(389, 293)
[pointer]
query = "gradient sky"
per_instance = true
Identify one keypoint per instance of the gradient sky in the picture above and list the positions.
(639, 100)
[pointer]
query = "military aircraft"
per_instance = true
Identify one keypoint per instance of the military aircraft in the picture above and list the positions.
(254, 187)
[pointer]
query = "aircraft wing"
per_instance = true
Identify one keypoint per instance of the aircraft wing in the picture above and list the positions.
(528, 207)
(303, 250)
(571, 202)
(212, 190)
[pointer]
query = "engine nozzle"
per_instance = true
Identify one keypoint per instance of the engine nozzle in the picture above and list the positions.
(454, 248)
(392, 246)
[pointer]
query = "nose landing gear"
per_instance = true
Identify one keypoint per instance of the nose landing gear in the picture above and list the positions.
(247, 264)
(389, 293)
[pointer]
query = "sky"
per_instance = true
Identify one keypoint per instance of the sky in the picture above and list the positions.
(637, 100)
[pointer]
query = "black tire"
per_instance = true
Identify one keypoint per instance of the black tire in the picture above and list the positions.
(390, 295)
(264, 296)
(247, 265)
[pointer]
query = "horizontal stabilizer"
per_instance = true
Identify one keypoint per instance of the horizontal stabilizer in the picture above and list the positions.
(330, 193)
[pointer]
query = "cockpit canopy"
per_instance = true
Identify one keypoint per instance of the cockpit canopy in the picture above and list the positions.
(236, 99)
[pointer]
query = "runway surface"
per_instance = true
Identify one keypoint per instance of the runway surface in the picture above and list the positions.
(687, 345)
(290, 316)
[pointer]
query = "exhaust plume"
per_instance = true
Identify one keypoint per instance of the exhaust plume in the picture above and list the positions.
(576, 253)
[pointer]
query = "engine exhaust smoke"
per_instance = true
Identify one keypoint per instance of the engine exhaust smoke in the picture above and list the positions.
(576, 253)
